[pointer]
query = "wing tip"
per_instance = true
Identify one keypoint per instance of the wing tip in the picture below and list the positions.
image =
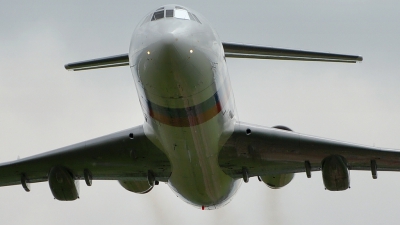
(68, 67)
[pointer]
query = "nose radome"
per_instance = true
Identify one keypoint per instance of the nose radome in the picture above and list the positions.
(169, 38)
(173, 67)
(169, 52)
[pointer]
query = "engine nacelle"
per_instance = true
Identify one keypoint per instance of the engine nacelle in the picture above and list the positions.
(138, 187)
(335, 173)
(63, 185)
(278, 180)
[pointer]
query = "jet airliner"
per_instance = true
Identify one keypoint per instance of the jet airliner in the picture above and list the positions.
(191, 137)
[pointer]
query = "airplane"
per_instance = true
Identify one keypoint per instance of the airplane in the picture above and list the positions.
(191, 137)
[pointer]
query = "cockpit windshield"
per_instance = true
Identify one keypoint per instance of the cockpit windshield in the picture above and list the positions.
(158, 15)
(169, 13)
(181, 14)
(178, 13)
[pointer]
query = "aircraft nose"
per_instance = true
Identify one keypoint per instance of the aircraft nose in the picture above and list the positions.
(173, 66)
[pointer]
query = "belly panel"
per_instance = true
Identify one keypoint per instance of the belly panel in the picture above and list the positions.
(193, 151)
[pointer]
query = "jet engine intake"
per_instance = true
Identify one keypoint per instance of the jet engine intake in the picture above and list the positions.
(62, 184)
(335, 173)
(138, 187)
(277, 181)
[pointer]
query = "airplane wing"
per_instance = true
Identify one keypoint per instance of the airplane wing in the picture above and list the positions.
(271, 151)
(105, 62)
(126, 154)
(235, 50)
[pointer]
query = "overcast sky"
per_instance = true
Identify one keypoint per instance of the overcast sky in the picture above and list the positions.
(43, 106)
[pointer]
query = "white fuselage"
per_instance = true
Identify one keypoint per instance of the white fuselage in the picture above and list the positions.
(184, 89)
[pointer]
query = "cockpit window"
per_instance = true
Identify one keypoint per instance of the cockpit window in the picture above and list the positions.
(158, 15)
(169, 13)
(181, 13)
(195, 17)
(191, 16)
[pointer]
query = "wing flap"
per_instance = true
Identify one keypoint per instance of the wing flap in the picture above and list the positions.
(267, 151)
(235, 50)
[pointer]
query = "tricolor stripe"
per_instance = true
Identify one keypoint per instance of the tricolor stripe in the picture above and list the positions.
(193, 115)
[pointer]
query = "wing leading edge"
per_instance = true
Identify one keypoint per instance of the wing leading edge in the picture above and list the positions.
(269, 151)
(124, 155)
